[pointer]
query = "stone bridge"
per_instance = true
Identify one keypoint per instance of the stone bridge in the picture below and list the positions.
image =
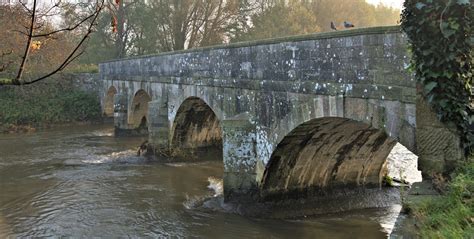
(296, 114)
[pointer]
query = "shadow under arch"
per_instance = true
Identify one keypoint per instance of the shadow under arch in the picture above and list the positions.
(326, 154)
(196, 131)
(109, 101)
(139, 110)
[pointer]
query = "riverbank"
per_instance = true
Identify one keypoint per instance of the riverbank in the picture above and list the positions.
(451, 215)
(45, 104)
(433, 212)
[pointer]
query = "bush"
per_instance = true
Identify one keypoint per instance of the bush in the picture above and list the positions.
(46, 103)
(451, 215)
(83, 68)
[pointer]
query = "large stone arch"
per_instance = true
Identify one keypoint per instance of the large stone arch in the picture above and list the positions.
(326, 153)
(109, 101)
(196, 130)
(138, 113)
(396, 119)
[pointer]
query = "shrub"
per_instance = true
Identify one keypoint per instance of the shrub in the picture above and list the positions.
(46, 103)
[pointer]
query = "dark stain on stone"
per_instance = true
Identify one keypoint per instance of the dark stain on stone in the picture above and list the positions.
(196, 127)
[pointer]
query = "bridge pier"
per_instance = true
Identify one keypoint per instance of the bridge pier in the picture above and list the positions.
(158, 126)
(120, 113)
(240, 156)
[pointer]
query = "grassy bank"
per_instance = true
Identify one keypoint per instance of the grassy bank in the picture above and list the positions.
(452, 214)
(23, 108)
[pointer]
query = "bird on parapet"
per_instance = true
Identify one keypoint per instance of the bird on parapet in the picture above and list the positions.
(348, 24)
(333, 26)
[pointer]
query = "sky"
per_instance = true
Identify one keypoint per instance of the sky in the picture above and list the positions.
(391, 3)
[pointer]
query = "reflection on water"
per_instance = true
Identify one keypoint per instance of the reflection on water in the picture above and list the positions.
(83, 182)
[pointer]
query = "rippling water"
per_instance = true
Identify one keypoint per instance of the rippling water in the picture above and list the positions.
(83, 182)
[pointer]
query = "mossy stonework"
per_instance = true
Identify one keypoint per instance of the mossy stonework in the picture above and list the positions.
(315, 111)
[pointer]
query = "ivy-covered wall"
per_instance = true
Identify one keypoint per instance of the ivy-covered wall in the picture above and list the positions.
(442, 40)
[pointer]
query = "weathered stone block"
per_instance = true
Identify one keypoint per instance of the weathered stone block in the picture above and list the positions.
(438, 146)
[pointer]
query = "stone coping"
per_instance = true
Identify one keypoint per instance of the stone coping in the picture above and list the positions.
(296, 38)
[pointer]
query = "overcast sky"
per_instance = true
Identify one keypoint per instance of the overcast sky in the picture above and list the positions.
(392, 3)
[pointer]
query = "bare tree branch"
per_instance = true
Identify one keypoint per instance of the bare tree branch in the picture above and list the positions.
(16, 81)
(71, 28)
(73, 55)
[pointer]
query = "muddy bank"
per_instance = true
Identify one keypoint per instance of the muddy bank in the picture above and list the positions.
(21, 129)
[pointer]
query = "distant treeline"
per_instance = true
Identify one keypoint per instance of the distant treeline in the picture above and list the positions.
(147, 27)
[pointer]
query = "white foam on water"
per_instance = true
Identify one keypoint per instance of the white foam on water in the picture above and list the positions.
(121, 156)
(177, 165)
(213, 202)
(106, 132)
(217, 185)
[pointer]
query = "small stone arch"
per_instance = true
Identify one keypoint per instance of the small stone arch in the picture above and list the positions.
(196, 130)
(325, 154)
(138, 115)
(109, 101)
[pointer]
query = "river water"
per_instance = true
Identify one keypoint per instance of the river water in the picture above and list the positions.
(83, 182)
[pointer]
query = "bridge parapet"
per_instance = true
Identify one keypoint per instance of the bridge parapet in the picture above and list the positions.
(363, 63)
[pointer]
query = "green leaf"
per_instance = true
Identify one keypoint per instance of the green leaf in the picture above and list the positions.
(448, 32)
(443, 103)
(430, 86)
(420, 5)
(430, 98)
(463, 2)
(448, 74)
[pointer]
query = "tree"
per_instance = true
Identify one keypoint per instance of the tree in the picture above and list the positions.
(31, 26)
(167, 25)
(358, 12)
(276, 18)
(282, 19)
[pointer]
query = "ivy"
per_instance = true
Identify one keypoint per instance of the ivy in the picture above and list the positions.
(442, 40)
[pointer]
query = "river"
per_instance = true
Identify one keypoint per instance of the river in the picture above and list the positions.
(81, 181)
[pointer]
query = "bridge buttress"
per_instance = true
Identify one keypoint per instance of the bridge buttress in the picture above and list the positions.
(438, 146)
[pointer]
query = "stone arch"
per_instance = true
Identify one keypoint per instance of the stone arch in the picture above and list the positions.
(325, 154)
(196, 130)
(109, 101)
(138, 116)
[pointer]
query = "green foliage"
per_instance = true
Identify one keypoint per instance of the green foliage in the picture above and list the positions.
(283, 20)
(450, 215)
(388, 180)
(83, 68)
(46, 103)
(295, 17)
(441, 37)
